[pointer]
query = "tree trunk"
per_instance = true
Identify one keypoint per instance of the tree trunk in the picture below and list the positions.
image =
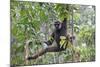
(26, 47)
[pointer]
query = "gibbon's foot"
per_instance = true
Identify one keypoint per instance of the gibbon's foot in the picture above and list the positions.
(30, 58)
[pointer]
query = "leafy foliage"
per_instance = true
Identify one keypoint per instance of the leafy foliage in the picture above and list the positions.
(34, 21)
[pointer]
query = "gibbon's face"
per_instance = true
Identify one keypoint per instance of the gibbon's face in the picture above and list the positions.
(57, 25)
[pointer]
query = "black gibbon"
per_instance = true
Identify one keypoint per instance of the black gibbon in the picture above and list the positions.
(59, 35)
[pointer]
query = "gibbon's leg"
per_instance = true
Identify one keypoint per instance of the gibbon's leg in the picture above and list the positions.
(51, 48)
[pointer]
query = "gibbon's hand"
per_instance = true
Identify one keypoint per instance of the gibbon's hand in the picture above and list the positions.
(45, 45)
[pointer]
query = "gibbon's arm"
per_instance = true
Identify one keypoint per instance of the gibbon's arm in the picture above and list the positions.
(64, 23)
